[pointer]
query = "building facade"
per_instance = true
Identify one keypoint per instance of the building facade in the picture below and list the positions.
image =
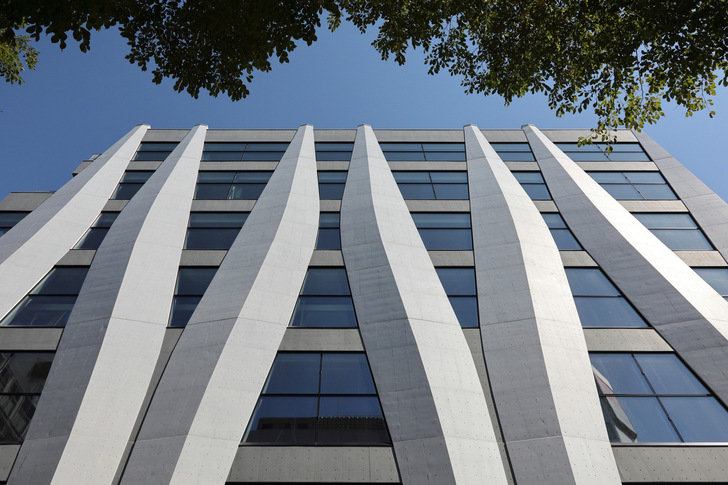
(366, 306)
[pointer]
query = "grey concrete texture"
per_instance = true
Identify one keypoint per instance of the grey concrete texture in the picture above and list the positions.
(422, 367)
(29, 339)
(224, 354)
(30, 249)
(24, 201)
(625, 340)
(680, 305)
(120, 316)
(534, 346)
(672, 464)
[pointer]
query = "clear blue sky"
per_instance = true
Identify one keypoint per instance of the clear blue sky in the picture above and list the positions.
(77, 104)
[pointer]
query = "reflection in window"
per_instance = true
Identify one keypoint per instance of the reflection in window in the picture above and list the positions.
(563, 237)
(534, 185)
(49, 304)
(318, 399)
(331, 185)
(715, 277)
(130, 184)
(444, 230)
(154, 151)
(599, 302)
(250, 152)
(459, 284)
(22, 377)
(432, 185)
(333, 151)
(655, 398)
(231, 185)
(191, 285)
(677, 231)
(328, 233)
(93, 237)
(325, 300)
(9, 219)
(431, 152)
(214, 230)
(596, 152)
(514, 152)
(634, 185)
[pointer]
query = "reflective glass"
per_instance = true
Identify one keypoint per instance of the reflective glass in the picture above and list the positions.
(588, 156)
(334, 147)
(182, 309)
(222, 156)
(404, 156)
(215, 177)
(402, 147)
(19, 410)
(417, 191)
(136, 177)
(529, 177)
(656, 192)
(466, 309)
(653, 220)
(537, 191)
(628, 157)
(607, 312)
(623, 192)
(294, 373)
(351, 419)
(449, 177)
(150, 156)
(346, 374)
(620, 373)
(253, 156)
(329, 219)
(283, 419)
(516, 157)
(126, 191)
(266, 147)
(194, 281)
(570, 147)
(326, 281)
(451, 191)
(715, 277)
(554, 220)
(565, 241)
(623, 147)
(609, 177)
(511, 147)
(668, 375)
(332, 177)
(106, 219)
(331, 191)
(433, 156)
(645, 177)
(447, 239)
(412, 177)
(41, 311)
(62, 281)
(444, 220)
(224, 147)
(211, 238)
(324, 311)
(333, 156)
(9, 219)
(457, 281)
(252, 177)
(217, 219)
(24, 372)
(92, 239)
(246, 191)
(683, 239)
(698, 419)
(589, 282)
(212, 191)
(328, 238)
(443, 147)
(637, 420)
(149, 146)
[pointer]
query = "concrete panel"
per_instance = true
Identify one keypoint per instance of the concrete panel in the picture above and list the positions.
(115, 205)
(682, 307)
(274, 136)
(30, 249)
(451, 258)
(522, 166)
(330, 205)
(327, 258)
(314, 464)
(77, 257)
(208, 166)
(438, 205)
(625, 340)
(24, 201)
(7, 457)
(321, 340)
(109, 349)
(211, 384)
(29, 339)
(437, 136)
(80, 167)
(195, 257)
(504, 136)
(420, 360)
(545, 206)
(144, 165)
(222, 205)
(672, 464)
(576, 259)
(701, 258)
(533, 342)
(653, 205)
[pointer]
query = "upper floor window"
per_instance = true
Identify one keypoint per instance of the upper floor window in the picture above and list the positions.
(431, 152)
(599, 302)
(715, 277)
(678, 231)
(154, 151)
(331, 184)
(9, 219)
(534, 185)
(634, 185)
(333, 151)
(130, 184)
(96, 234)
(565, 240)
(231, 185)
(432, 185)
(596, 152)
(444, 230)
(514, 152)
(655, 398)
(214, 230)
(325, 300)
(235, 152)
(328, 233)
(459, 285)
(192, 282)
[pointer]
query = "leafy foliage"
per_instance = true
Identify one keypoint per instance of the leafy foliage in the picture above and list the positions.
(620, 58)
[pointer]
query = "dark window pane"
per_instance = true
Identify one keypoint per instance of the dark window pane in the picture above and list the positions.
(404, 156)
(715, 277)
(212, 191)
(589, 282)
(623, 192)
(46, 311)
(136, 177)
(554, 220)
(516, 157)
(222, 156)
(211, 238)
(333, 156)
(106, 219)
(666, 221)
(447, 239)
(329, 219)
(451, 191)
(588, 157)
(283, 419)
(449, 177)
(157, 146)
(252, 177)
(623, 147)
(215, 177)
(218, 219)
(457, 281)
(668, 375)
(328, 238)
(294, 373)
(656, 192)
(267, 147)
(637, 420)
(126, 191)
(252, 156)
(334, 147)
(324, 311)
(529, 177)
(412, 177)
(224, 147)
(565, 241)
(698, 419)
(332, 177)
(24, 372)
(331, 191)
(645, 177)
(9, 219)
(346, 374)
(402, 147)
(417, 191)
(19, 410)
(151, 156)
(431, 156)
(443, 220)
(345, 419)
(443, 147)
(182, 309)
(466, 309)
(628, 157)
(536, 191)
(194, 281)
(326, 281)
(607, 312)
(246, 191)
(619, 374)
(683, 239)
(92, 239)
(609, 177)
(61, 281)
(511, 147)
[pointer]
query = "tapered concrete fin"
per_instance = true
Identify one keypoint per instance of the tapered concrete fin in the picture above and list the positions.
(683, 308)
(425, 376)
(211, 384)
(533, 341)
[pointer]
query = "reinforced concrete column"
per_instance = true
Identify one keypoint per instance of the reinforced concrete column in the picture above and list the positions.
(706, 207)
(431, 397)
(82, 427)
(679, 304)
(534, 347)
(30, 249)
(215, 374)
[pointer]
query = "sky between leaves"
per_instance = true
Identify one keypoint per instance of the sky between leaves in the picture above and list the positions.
(78, 104)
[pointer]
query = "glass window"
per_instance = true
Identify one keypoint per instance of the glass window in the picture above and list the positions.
(22, 377)
(231, 185)
(328, 233)
(715, 277)
(318, 399)
(192, 282)
(225, 151)
(325, 300)
(9, 219)
(433, 185)
(333, 151)
(444, 230)
(443, 152)
(459, 285)
(49, 304)
(565, 240)
(596, 152)
(653, 398)
(534, 185)
(154, 151)
(677, 231)
(214, 230)
(130, 184)
(634, 185)
(331, 185)
(599, 302)
(513, 152)
(96, 234)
